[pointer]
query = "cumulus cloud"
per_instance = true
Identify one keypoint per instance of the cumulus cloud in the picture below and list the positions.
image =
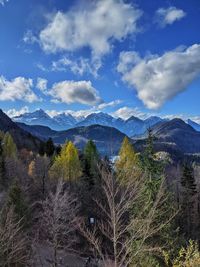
(13, 112)
(167, 16)
(2, 2)
(126, 112)
(19, 88)
(94, 25)
(127, 59)
(42, 84)
(158, 79)
(75, 92)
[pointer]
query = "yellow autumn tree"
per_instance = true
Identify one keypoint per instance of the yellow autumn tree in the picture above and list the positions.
(67, 165)
(127, 165)
(31, 168)
(9, 146)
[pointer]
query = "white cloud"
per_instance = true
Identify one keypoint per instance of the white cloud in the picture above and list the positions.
(95, 25)
(84, 112)
(19, 88)
(13, 112)
(42, 85)
(2, 2)
(127, 59)
(42, 67)
(158, 79)
(75, 92)
(80, 66)
(30, 38)
(126, 112)
(109, 104)
(167, 16)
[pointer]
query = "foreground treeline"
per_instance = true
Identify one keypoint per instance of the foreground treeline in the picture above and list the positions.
(142, 210)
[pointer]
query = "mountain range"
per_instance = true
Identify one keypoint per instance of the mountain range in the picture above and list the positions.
(174, 136)
(132, 126)
(107, 139)
(39, 117)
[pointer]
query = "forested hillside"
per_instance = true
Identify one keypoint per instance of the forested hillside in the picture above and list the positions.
(67, 205)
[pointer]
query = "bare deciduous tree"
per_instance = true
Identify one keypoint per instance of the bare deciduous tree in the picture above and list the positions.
(59, 220)
(120, 226)
(13, 242)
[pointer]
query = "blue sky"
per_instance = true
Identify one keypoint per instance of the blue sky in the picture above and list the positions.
(122, 57)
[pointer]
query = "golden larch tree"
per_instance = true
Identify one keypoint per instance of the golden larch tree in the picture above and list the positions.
(127, 165)
(67, 165)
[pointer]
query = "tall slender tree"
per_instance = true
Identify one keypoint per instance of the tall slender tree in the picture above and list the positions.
(67, 165)
(149, 164)
(91, 160)
(127, 164)
(189, 201)
(49, 147)
(17, 201)
(9, 146)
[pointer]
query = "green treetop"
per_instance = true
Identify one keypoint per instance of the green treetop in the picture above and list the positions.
(49, 147)
(17, 200)
(91, 158)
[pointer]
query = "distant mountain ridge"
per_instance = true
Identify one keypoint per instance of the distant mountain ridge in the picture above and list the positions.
(175, 135)
(40, 117)
(194, 125)
(22, 138)
(131, 126)
(107, 139)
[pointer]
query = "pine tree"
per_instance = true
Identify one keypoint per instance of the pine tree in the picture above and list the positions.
(152, 168)
(49, 147)
(89, 186)
(128, 163)
(42, 149)
(9, 147)
(149, 164)
(189, 192)
(91, 159)
(17, 201)
(67, 165)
